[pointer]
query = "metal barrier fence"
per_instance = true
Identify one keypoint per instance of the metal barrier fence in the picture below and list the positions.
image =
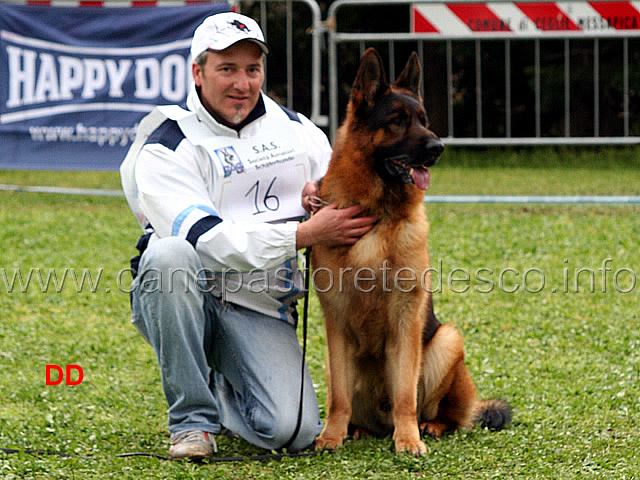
(517, 68)
(301, 25)
(491, 83)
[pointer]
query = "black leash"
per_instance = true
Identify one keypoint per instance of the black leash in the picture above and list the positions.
(239, 458)
(40, 453)
(305, 312)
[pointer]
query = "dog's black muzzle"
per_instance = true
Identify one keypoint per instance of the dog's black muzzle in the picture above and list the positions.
(433, 149)
(424, 153)
(399, 160)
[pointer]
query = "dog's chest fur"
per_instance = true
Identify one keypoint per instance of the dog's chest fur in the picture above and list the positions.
(383, 272)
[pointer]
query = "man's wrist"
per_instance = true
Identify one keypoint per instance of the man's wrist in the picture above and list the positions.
(303, 235)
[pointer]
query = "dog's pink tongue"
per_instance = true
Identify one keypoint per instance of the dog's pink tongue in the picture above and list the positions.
(421, 178)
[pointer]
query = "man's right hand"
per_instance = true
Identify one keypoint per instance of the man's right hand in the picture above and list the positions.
(332, 226)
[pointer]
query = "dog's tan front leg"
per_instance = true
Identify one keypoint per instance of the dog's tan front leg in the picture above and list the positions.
(340, 391)
(404, 358)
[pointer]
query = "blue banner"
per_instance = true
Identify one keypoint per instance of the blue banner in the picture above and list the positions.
(75, 82)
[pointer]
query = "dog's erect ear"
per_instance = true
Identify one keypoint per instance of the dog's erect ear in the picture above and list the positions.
(411, 75)
(370, 81)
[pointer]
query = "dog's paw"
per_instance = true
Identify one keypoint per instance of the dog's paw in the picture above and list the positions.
(433, 429)
(414, 447)
(359, 433)
(328, 443)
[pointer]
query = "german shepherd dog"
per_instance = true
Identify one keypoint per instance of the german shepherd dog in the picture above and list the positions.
(392, 367)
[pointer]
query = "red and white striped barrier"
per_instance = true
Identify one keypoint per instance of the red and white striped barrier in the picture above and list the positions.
(537, 19)
(102, 3)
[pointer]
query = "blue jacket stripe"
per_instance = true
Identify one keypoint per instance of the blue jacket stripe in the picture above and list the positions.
(179, 220)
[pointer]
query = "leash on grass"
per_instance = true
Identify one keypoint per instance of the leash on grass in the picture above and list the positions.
(270, 456)
(239, 458)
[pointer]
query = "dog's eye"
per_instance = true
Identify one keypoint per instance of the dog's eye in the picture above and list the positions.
(399, 120)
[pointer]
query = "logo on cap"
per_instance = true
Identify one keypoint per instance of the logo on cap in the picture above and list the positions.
(240, 26)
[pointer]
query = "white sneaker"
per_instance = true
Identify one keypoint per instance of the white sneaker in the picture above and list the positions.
(193, 444)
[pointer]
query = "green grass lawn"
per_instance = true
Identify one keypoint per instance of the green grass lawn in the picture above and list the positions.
(566, 356)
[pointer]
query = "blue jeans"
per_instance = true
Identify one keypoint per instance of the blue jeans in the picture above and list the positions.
(221, 365)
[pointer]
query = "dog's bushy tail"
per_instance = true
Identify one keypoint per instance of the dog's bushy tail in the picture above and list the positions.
(493, 414)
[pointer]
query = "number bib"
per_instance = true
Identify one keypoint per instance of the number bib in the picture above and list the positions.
(258, 179)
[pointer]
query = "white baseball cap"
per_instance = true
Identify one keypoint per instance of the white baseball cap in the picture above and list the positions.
(222, 30)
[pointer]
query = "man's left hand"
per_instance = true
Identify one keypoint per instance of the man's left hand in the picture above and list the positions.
(310, 190)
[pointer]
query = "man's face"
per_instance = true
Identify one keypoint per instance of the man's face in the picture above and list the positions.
(230, 81)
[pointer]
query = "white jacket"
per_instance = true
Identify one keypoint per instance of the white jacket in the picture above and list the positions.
(175, 186)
